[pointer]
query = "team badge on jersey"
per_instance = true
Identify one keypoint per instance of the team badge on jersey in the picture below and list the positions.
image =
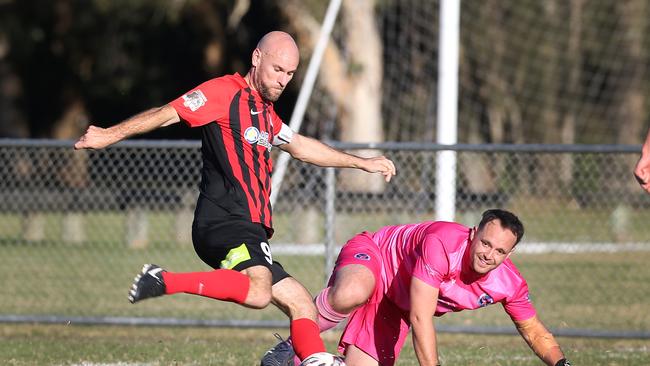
(485, 300)
(362, 256)
(194, 100)
(254, 136)
(251, 135)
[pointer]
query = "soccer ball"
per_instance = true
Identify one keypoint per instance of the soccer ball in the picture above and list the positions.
(323, 359)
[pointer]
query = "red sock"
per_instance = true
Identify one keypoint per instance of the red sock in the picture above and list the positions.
(221, 284)
(306, 338)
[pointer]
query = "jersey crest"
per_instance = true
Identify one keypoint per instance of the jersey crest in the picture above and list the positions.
(485, 300)
(194, 100)
(254, 136)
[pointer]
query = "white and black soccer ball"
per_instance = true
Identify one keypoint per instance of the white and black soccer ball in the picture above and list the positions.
(323, 359)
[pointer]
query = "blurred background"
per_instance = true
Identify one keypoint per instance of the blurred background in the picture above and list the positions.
(530, 72)
(553, 100)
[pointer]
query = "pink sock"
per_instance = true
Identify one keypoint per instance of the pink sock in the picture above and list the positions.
(296, 360)
(328, 318)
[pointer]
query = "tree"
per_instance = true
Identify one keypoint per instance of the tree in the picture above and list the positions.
(351, 76)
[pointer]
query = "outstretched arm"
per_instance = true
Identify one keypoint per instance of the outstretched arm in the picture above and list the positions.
(642, 169)
(541, 341)
(98, 138)
(424, 298)
(315, 152)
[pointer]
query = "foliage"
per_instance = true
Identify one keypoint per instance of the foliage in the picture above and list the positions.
(547, 72)
(118, 57)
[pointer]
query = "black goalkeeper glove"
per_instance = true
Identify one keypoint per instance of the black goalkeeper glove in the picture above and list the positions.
(563, 362)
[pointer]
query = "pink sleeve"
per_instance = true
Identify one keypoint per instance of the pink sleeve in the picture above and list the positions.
(204, 104)
(519, 306)
(432, 264)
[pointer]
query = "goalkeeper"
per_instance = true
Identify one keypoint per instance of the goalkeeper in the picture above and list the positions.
(399, 277)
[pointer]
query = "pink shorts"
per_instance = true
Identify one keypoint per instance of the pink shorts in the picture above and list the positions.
(378, 328)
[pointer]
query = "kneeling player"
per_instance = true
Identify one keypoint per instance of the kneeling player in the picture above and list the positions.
(399, 277)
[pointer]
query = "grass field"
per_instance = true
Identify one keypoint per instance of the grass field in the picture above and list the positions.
(22, 345)
(601, 291)
(570, 290)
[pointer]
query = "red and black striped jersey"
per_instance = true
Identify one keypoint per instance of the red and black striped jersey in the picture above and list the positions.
(238, 128)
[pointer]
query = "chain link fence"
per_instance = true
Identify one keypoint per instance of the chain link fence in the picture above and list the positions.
(76, 226)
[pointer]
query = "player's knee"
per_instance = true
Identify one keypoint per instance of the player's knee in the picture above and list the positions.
(353, 286)
(258, 300)
(344, 299)
(259, 291)
(258, 303)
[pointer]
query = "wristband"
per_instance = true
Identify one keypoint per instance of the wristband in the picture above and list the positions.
(563, 362)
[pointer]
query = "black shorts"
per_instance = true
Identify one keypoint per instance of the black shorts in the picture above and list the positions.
(235, 244)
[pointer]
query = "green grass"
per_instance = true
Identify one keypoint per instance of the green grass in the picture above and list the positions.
(604, 291)
(22, 345)
(570, 290)
(546, 220)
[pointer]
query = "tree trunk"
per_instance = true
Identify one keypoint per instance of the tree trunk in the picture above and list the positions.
(74, 173)
(361, 111)
(633, 111)
(353, 81)
(547, 167)
(574, 57)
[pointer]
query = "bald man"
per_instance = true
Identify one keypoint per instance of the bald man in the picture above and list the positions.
(232, 221)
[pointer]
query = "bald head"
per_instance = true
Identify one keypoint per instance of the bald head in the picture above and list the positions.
(274, 61)
(278, 42)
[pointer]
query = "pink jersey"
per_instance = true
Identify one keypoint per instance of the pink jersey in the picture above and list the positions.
(438, 254)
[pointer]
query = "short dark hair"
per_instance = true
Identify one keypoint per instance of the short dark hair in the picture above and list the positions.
(508, 221)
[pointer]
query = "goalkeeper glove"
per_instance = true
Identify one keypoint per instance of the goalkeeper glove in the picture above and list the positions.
(563, 362)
